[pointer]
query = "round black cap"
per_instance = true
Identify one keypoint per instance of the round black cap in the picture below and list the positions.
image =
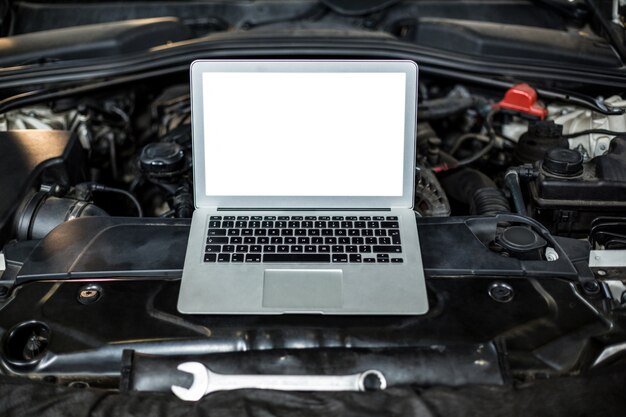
(520, 239)
(162, 158)
(563, 162)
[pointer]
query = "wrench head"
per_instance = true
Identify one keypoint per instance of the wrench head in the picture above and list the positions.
(200, 383)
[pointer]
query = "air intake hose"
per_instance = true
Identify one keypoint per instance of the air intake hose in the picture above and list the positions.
(475, 189)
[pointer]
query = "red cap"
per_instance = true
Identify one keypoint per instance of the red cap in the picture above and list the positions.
(523, 98)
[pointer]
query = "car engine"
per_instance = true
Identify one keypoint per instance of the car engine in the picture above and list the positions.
(520, 201)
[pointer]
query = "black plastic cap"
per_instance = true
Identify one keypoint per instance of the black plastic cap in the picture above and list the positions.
(520, 239)
(563, 162)
(162, 158)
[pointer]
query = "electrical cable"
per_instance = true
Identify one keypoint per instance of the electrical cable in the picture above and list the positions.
(103, 188)
(593, 131)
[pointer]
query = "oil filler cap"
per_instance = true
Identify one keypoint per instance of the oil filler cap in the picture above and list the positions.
(563, 162)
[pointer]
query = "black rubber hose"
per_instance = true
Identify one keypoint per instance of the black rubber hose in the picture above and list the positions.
(475, 189)
(511, 179)
(441, 108)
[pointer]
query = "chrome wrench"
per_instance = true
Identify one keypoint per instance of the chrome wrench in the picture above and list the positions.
(205, 382)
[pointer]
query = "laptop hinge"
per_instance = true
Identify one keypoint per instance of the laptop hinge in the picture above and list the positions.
(299, 209)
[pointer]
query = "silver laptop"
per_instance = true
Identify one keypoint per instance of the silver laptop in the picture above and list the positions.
(303, 181)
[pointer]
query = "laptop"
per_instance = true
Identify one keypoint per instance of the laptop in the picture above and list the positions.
(303, 182)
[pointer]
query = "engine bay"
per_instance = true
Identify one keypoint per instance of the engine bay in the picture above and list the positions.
(520, 201)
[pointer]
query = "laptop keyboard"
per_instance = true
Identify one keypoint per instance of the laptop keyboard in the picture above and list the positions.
(319, 239)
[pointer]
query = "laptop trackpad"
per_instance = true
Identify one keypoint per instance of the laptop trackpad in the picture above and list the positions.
(302, 289)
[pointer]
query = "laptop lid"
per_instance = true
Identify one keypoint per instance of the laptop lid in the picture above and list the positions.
(304, 134)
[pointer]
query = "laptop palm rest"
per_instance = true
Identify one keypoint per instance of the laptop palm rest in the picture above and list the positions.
(302, 289)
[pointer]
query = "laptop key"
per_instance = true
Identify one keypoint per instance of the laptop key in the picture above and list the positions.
(351, 218)
(216, 239)
(378, 218)
(256, 248)
(283, 248)
(212, 248)
(257, 217)
(323, 248)
(286, 232)
(229, 217)
(260, 232)
(307, 224)
(276, 240)
(283, 217)
(380, 232)
(337, 217)
(210, 257)
(344, 240)
(357, 241)
(304, 240)
(246, 232)
(269, 248)
(296, 257)
(262, 240)
(241, 224)
(340, 258)
(309, 248)
(355, 257)
(395, 240)
(369, 260)
(290, 240)
(387, 249)
(217, 232)
(223, 257)
(267, 224)
(317, 240)
(296, 248)
(337, 249)
(351, 249)
(269, 218)
(300, 232)
(392, 217)
(354, 232)
(330, 240)
(235, 239)
(242, 217)
(253, 257)
(393, 232)
(228, 224)
(340, 232)
(214, 224)
(396, 260)
(215, 218)
(384, 241)
(314, 232)
(237, 257)
(242, 248)
(390, 225)
(249, 240)
(360, 225)
(365, 249)
(233, 232)
(327, 232)
(228, 248)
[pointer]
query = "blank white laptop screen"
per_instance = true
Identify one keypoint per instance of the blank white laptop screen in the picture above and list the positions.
(304, 134)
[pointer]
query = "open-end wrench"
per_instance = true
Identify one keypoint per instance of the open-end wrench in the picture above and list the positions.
(206, 382)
